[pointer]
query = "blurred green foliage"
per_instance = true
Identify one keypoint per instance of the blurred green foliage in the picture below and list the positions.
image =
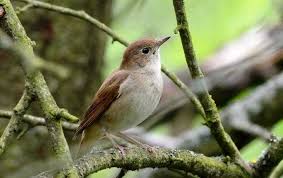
(212, 24)
(253, 150)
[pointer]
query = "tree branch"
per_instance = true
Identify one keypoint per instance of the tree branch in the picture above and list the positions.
(78, 14)
(251, 128)
(137, 158)
(11, 24)
(263, 107)
(34, 121)
(24, 8)
(192, 97)
(16, 119)
(213, 120)
(269, 159)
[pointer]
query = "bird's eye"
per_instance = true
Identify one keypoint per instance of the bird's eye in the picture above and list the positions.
(145, 50)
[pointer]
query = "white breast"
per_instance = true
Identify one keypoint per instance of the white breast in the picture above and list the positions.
(140, 94)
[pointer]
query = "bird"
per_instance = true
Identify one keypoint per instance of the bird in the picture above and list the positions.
(127, 97)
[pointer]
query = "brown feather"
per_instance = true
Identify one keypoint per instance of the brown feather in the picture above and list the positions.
(133, 56)
(106, 95)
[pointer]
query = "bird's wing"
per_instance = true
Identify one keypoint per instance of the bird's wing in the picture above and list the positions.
(105, 96)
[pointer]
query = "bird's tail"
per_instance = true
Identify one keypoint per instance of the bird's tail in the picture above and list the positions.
(88, 139)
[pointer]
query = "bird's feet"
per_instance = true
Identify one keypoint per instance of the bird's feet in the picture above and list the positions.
(147, 147)
(121, 149)
(115, 144)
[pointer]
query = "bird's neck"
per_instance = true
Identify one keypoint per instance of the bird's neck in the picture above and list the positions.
(153, 67)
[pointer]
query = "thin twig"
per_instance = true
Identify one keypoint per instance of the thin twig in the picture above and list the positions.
(186, 90)
(16, 119)
(212, 115)
(251, 128)
(24, 8)
(78, 14)
(35, 121)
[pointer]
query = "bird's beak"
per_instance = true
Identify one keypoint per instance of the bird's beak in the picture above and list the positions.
(161, 41)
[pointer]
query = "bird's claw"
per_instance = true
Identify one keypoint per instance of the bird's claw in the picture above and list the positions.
(121, 149)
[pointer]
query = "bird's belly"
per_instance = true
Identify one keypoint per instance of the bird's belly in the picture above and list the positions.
(132, 108)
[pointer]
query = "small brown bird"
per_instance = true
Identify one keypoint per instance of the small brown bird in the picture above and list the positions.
(127, 97)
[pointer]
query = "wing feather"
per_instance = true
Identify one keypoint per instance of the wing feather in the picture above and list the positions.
(106, 95)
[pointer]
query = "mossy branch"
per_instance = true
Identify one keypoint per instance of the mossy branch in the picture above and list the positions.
(137, 158)
(35, 121)
(213, 120)
(270, 158)
(11, 24)
(16, 119)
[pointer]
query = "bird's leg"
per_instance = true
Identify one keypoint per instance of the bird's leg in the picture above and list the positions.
(114, 143)
(135, 142)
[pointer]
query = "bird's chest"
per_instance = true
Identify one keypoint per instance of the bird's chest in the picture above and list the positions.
(138, 99)
(146, 92)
